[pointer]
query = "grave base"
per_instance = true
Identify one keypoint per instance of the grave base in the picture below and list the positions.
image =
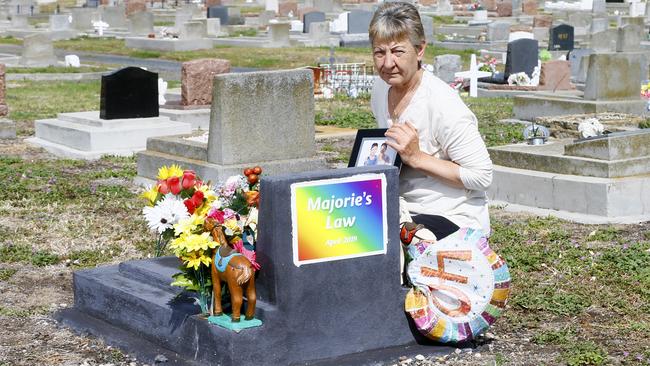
(193, 155)
(158, 44)
(198, 118)
(133, 307)
(587, 199)
(528, 107)
(84, 135)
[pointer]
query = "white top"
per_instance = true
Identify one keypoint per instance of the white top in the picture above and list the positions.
(448, 130)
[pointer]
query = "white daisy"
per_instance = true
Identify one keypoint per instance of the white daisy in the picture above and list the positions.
(165, 214)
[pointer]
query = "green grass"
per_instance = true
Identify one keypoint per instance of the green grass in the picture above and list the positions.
(10, 40)
(23, 254)
(164, 24)
(585, 353)
(250, 32)
(55, 69)
(6, 273)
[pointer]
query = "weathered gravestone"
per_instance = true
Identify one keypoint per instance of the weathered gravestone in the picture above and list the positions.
(319, 34)
(38, 51)
(19, 21)
(603, 41)
(213, 27)
(279, 34)
(129, 93)
(197, 78)
(192, 30)
(522, 56)
(598, 25)
(59, 22)
(446, 66)
(359, 21)
(629, 38)
(561, 38)
(115, 16)
(312, 309)
(576, 57)
(613, 76)
(182, 16)
(312, 17)
(504, 8)
(498, 31)
(141, 23)
(82, 18)
(555, 75)
(246, 110)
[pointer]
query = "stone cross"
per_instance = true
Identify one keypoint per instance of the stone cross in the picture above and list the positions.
(473, 75)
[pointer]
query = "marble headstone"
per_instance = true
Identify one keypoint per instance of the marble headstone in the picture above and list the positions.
(197, 79)
(38, 51)
(131, 92)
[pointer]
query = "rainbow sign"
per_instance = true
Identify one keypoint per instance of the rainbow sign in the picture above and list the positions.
(335, 219)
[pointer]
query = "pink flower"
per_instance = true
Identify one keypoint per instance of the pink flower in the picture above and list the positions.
(217, 215)
(229, 214)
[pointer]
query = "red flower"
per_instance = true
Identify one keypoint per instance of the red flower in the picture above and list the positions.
(174, 185)
(163, 188)
(189, 179)
(197, 198)
(189, 204)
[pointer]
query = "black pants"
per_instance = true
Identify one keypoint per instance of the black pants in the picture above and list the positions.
(438, 225)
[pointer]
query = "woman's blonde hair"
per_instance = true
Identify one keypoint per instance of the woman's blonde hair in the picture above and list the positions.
(395, 21)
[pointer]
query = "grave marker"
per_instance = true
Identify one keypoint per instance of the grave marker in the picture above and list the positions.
(359, 21)
(561, 38)
(498, 31)
(613, 76)
(220, 12)
(141, 23)
(446, 66)
(312, 17)
(38, 51)
(555, 75)
(129, 93)
(197, 79)
(522, 56)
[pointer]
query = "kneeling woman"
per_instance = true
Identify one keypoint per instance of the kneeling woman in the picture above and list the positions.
(447, 167)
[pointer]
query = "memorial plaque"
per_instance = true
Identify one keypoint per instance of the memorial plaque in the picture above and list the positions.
(129, 93)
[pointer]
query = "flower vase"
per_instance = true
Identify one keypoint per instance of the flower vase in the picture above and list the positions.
(480, 14)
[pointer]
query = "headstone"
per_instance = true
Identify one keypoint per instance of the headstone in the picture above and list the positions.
(311, 17)
(288, 7)
(599, 25)
(625, 20)
(213, 27)
(279, 34)
(141, 23)
(82, 18)
(285, 96)
(555, 75)
(59, 22)
(209, 3)
(340, 23)
(446, 66)
(575, 59)
(604, 41)
(637, 9)
(319, 34)
(522, 56)
(192, 30)
(197, 79)
(542, 21)
(599, 7)
(498, 31)
(520, 35)
(629, 38)
(504, 8)
(444, 8)
(561, 38)
(220, 12)
(359, 21)
(272, 5)
(234, 16)
(613, 76)
(427, 24)
(529, 7)
(115, 16)
(129, 93)
(326, 6)
(134, 6)
(489, 5)
(38, 51)
(72, 61)
(182, 16)
(4, 110)
(264, 18)
(516, 7)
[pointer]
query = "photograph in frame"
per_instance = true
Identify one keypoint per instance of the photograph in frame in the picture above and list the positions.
(370, 148)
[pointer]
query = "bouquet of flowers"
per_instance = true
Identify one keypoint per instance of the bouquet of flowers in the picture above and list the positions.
(457, 84)
(475, 6)
(488, 64)
(179, 205)
(645, 91)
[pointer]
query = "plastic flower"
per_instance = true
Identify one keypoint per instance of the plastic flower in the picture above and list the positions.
(165, 214)
(188, 225)
(249, 254)
(195, 259)
(150, 194)
(232, 227)
(167, 172)
(217, 215)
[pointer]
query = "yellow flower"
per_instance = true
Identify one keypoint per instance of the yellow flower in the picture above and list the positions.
(233, 226)
(173, 171)
(195, 259)
(150, 194)
(189, 225)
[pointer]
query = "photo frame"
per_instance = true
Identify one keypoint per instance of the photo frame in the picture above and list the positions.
(364, 155)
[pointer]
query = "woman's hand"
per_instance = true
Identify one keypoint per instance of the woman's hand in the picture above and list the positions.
(403, 137)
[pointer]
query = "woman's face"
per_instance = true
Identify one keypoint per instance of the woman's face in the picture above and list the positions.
(396, 61)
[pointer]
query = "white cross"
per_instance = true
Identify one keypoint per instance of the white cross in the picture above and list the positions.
(100, 26)
(473, 74)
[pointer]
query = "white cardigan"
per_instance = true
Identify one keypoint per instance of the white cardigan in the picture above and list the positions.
(448, 130)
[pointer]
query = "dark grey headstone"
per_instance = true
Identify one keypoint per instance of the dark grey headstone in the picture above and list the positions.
(575, 58)
(129, 93)
(359, 21)
(312, 17)
(92, 3)
(522, 56)
(220, 12)
(561, 38)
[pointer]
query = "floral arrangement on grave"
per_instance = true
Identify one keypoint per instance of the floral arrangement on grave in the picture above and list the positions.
(645, 91)
(475, 6)
(520, 78)
(457, 84)
(195, 220)
(488, 64)
(544, 55)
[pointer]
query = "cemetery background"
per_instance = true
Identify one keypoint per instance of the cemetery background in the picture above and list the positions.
(580, 292)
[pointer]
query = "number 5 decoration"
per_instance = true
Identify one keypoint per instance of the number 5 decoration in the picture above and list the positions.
(460, 286)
